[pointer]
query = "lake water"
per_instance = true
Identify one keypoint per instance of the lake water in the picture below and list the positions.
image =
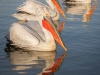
(81, 35)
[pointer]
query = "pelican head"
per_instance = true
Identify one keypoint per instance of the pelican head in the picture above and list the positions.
(49, 25)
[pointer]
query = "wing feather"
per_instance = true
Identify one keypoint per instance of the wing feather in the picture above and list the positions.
(35, 29)
(31, 6)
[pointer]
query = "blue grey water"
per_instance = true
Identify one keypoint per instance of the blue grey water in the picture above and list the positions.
(80, 35)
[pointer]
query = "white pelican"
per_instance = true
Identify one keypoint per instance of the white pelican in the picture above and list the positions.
(36, 35)
(30, 6)
(79, 1)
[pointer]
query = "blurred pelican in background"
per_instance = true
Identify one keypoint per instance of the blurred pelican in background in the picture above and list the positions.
(79, 1)
(30, 6)
(86, 10)
(25, 59)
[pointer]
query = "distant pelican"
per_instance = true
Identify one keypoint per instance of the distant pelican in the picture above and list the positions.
(79, 1)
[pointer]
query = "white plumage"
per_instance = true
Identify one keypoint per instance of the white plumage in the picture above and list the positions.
(30, 6)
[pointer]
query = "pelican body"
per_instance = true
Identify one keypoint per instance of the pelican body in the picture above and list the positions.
(33, 40)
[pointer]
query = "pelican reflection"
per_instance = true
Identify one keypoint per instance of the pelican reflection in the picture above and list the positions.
(59, 26)
(25, 59)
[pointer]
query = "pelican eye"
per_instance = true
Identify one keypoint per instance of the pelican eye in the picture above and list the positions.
(47, 14)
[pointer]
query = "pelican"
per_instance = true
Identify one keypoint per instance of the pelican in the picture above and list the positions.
(37, 35)
(79, 1)
(30, 6)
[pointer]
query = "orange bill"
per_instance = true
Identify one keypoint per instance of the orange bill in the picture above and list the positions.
(56, 3)
(56, 36)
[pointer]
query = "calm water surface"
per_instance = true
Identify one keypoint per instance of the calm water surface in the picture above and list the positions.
(81, 36)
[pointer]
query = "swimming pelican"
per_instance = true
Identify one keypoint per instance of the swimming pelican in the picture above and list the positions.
(37, 35)
(79, 1)
(30, 6)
